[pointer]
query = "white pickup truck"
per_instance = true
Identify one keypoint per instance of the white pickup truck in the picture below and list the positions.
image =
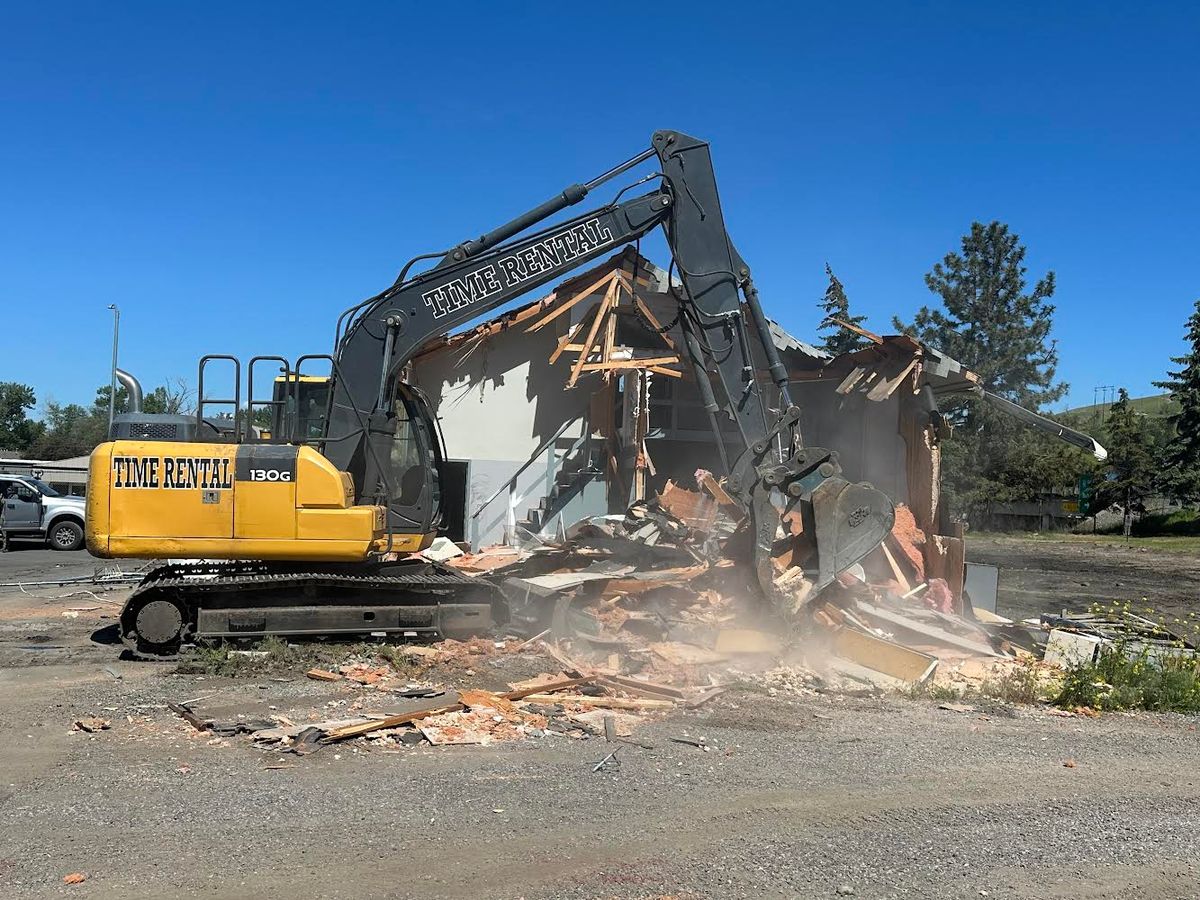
(30, 508)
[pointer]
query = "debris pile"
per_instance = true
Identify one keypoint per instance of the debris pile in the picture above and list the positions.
(549, 705)
(1074, 638)
(665, 593)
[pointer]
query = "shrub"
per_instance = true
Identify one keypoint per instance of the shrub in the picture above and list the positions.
(1132, 674)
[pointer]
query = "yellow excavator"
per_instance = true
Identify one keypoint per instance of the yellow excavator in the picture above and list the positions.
(295, 526)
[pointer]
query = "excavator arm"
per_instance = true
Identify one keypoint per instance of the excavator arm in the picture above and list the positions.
(808, 522)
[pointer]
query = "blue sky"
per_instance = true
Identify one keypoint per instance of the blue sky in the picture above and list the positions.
(234, 175)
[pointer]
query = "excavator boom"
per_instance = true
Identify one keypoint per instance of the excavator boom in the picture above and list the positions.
(782, 485)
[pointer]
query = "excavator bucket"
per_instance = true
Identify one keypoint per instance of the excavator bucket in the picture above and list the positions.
(810, 525)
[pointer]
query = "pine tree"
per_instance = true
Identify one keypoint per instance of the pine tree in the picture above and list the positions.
(835, 303)
(993, 323)
(1181, 475)
(1133, 469)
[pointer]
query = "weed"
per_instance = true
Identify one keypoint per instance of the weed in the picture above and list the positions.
(1130, 673)
(931, 690)
(1023, 682)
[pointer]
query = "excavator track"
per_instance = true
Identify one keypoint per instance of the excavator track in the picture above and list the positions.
(182, 604)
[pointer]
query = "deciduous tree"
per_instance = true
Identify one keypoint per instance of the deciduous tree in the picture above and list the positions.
(17, 431)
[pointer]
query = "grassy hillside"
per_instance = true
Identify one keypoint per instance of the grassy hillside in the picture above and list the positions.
(1155, 405)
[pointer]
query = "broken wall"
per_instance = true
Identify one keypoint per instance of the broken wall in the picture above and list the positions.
(498, 400)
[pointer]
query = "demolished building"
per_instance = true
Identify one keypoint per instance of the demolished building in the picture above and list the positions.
(579, 403)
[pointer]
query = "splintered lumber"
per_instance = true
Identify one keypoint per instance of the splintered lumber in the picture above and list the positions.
(922, 632)
(601, 313)
(897, 572)
(887, 386)
(884, 656)
(709, 482)
(564, 344)
(653, 690)
(190, 717)
(542, 690)
(871, 336)
(630, 363)
(323, 675)
(603, 702)
(697, 511)
(575, 298)
(852, 379)
(567, 664)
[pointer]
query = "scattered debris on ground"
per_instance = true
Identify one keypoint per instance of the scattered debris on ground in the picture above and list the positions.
(655, 612)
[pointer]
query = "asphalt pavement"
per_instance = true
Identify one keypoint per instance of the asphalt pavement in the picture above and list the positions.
(34, 561)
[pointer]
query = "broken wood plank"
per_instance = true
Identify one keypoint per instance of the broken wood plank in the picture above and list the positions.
(601, 313)
(322, 675)
(709, 482)
(603, 702)
(897, 572)
(533, 640)
(922, 632)
(697, 511)
(567, 664)
(871, 336)
(562, 307)
(188, 716)
(631, 363)
(564, 344)
(652, 689)
(847, 384)
(544, 690)
(887, 386)
(659, 370)
(610, 324)
(884, 656)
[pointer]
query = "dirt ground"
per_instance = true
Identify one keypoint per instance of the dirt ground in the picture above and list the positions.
(1052, 575)
(800, 797)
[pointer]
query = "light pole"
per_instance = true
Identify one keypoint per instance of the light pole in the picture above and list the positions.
(112, 381)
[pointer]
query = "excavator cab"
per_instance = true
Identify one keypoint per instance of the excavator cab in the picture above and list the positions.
(302, 404)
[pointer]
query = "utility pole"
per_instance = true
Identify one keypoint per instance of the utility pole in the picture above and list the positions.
(112, 379)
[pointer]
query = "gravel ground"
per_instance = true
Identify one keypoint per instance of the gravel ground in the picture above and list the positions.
(885, 796)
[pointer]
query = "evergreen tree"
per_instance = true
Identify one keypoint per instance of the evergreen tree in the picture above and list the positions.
(835, 303)
(1133, 468)
(993, 323)
(1181, 461)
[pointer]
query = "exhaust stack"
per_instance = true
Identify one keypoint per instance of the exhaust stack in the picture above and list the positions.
(134, 387)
